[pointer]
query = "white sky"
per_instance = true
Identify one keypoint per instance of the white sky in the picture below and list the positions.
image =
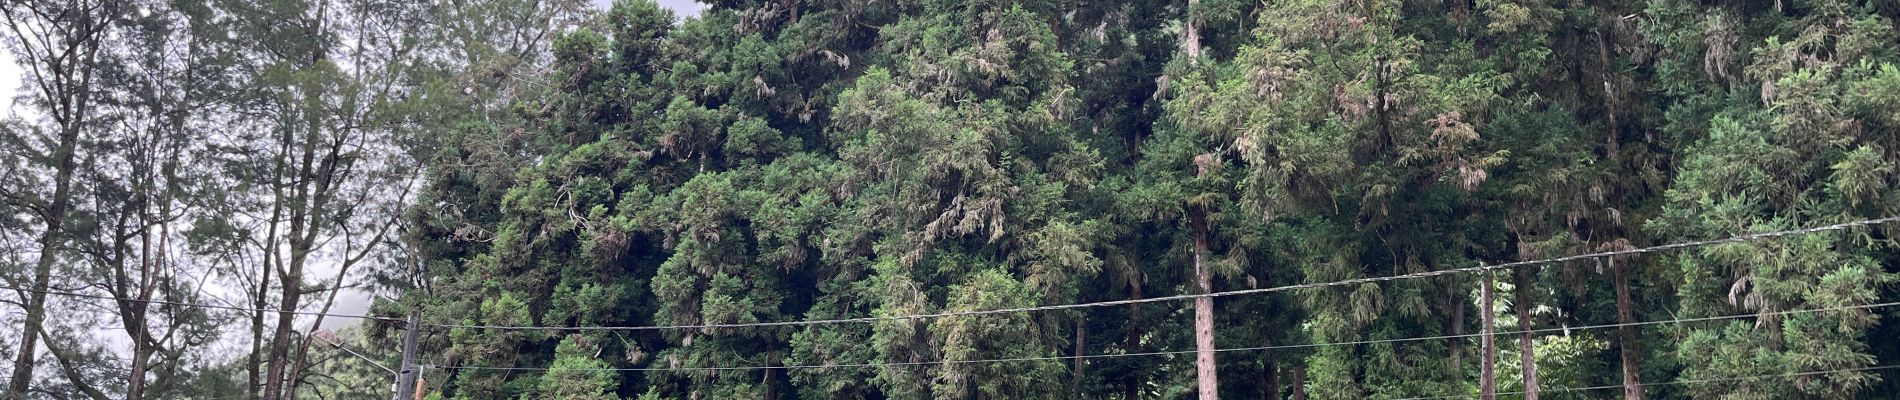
(11, 77)
(681, 8)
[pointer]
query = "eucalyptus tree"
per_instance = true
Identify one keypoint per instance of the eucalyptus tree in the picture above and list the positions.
(329, 94)
(58, 44)
(134, 211)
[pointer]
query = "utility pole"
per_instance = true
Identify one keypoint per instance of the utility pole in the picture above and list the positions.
(406, 377)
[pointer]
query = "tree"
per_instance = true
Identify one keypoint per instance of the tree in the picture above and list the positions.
(1802, 112)
(59, 41)
(334, 89)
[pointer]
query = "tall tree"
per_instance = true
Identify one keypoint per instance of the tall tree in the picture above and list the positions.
(332, 83)
(58, 42)
(1793, 134)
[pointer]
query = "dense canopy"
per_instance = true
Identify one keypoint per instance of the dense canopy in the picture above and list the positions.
(507, 163)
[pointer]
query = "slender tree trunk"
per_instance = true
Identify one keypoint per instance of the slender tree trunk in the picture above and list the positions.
(1132, 342)
(1526, 342)
(135, 318)
(1209, 379)
(1487, 379)
(303, 347)
(43, 269)
(274, 385)
(1270, 380)
(1457, 326)
(272, 262)
(1191, 36)
(1625, 334)
(253, 379)
(1081, 337)
(771, 385)
(1611, 144)
(135, 388)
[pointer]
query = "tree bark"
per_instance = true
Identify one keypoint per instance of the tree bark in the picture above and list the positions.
(1081, 336)
(1209, 381)
(43, 269)
(1132, 342)
(1626, 335)
(1487, 379)
(1191, 35)
(275, 379)
(1457, 326)
(135, 387)
(1299, 382)
(1612, 147)
(1270, 380)
(1526, 342)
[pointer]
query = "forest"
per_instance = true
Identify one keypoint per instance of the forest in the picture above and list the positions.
(950, 199)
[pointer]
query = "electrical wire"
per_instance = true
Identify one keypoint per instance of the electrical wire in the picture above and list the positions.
(1670, 383)
(199, 305)
(1427, 274)
(1480, 268)
(1185, 352)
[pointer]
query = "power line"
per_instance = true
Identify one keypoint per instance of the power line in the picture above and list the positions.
(1428, 274)
(1480, 268)
(184, 304)
(1675, 382)
(1183, 352)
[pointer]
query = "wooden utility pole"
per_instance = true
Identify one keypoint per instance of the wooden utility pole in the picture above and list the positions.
(406, 377)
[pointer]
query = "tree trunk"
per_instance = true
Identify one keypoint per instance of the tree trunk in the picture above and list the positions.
(1625, 334)
(1611, 143)
(1299, 382)
(1191, 35)
(43, 268)
(1270, 380)
(1132, 342)
(280, 162)
(771, 385)
(1081, 336)
(135, 387)
(1526, 342)
(275, 379)
(1457, 326)
(253, 379)
(1487, 378)
(1209, 380)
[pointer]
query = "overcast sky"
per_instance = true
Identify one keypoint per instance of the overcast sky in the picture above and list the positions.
(10, 73)
(681, 8)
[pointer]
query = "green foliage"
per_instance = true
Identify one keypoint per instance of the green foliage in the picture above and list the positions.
(770, 161)
(576, 373)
